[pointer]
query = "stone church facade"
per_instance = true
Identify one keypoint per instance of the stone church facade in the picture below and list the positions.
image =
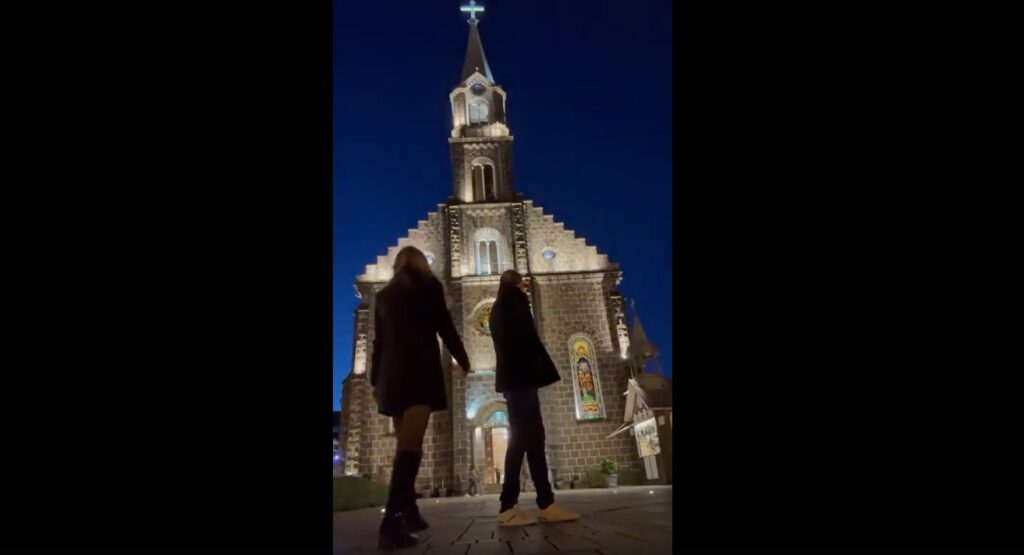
(484, 228)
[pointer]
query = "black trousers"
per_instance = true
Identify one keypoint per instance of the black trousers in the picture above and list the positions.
(526, 437)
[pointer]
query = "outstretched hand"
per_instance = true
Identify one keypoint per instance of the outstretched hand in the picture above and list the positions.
(465, 366)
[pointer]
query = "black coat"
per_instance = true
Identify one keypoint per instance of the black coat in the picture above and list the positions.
(522, 360)
(406, 367)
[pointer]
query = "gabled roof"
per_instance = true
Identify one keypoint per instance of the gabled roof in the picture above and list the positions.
(650, 391)
(646, 391)
(655, 390)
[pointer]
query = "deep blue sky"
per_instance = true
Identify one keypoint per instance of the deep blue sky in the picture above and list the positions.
(590, 88)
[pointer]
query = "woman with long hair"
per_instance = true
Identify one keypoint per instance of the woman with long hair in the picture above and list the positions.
(408, 381)
(523, 367)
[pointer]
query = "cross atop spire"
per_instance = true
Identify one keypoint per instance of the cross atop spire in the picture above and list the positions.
(476, 61)
(471, 9)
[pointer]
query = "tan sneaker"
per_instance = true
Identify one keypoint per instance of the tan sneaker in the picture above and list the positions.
(515, 517)
(556, 513)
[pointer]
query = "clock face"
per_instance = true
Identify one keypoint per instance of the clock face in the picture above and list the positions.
(478, 89)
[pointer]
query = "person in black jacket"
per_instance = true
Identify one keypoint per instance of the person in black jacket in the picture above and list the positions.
(523, 367)
(407, 379)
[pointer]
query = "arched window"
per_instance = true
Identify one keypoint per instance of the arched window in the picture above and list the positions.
(478, 183)
(478, 111)
(459, 110)
(488, 247)
(490, 191)
(585, 380)
(499, 106)
(484, 180)
(487, 261)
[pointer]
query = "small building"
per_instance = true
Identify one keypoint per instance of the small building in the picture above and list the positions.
(648, 413)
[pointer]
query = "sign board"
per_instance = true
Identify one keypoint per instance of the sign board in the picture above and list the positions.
(647, 437)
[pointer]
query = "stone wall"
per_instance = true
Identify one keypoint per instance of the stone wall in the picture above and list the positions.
(494, 217)
(580, 304)
(429, 236)
(497, 149)
(477, 292)
(572, 254)
(573, 293)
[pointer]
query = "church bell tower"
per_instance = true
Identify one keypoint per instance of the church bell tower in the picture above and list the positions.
(481, 145)
(482, 230)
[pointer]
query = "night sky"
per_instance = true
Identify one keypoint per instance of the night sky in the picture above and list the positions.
(590, 88)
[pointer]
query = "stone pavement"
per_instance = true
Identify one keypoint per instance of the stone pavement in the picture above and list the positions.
(627, 520)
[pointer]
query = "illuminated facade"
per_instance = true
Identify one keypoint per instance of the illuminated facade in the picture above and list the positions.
(484, 228)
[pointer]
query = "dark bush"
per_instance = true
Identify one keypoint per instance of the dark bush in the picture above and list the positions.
(352, 492)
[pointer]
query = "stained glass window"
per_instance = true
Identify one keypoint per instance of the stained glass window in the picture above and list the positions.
(586, 383)
(484, 319)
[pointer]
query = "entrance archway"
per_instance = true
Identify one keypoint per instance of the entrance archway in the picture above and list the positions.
(489, 443)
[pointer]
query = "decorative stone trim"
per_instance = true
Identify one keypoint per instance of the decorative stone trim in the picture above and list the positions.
(362, 334)
(565, 277)
(619, 315)
(484, 211)
(483, 142)
(478, 280)
(519, 239)
(455, 240)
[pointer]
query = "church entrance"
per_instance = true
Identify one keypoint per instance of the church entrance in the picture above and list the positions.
(490, 443)
(499, 445)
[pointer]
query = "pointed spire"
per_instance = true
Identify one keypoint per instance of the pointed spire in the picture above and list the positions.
(640, 347)
(476, 61)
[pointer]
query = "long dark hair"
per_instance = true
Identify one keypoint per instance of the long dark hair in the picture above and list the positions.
(508, 288)
(411, 267)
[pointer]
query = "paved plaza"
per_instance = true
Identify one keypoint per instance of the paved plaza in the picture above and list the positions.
(627, 520)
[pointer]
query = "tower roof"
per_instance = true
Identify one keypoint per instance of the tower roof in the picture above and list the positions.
(639, 346)
(476, 61)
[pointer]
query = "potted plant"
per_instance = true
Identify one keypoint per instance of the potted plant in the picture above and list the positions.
(610, 471)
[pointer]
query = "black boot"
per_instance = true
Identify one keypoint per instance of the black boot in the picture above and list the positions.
(412, 516)
(394, 534)
(394, 531)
